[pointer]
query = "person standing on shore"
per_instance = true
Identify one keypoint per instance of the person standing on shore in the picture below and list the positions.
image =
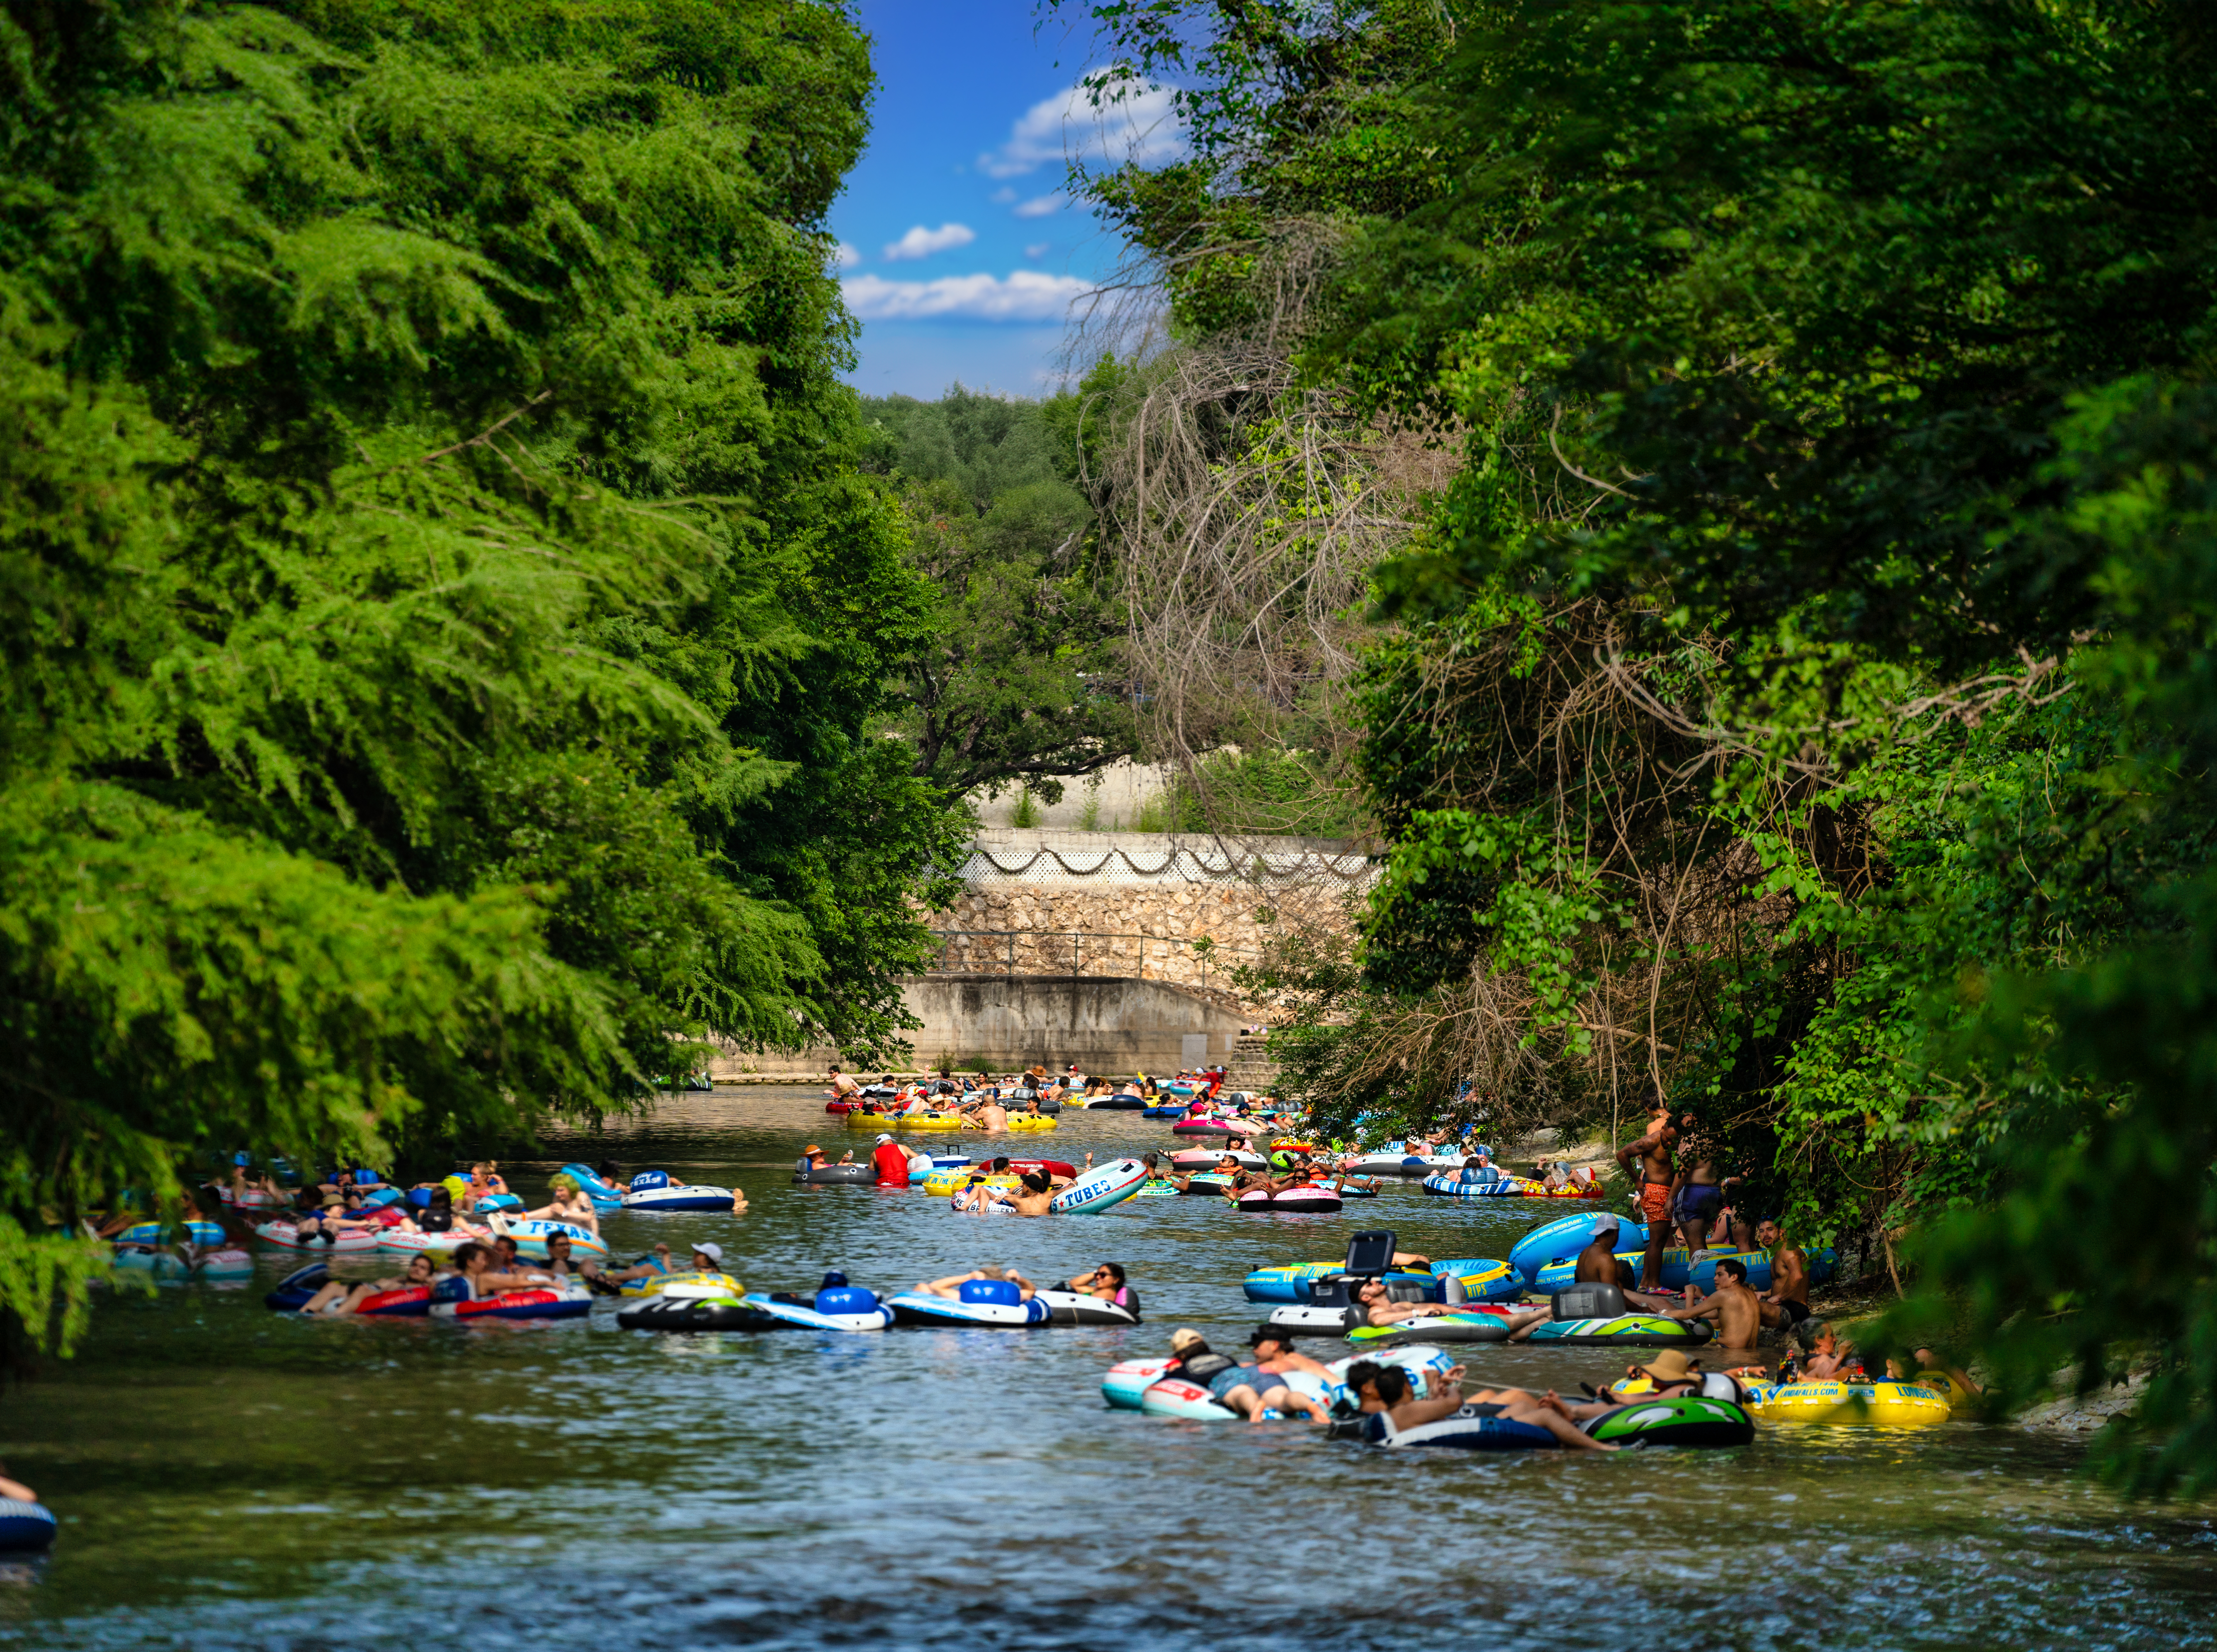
(1655, 1175)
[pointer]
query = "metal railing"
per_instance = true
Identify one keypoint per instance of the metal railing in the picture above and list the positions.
(1012, 952)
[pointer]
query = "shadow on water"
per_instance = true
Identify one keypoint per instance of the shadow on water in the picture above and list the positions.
(229, 1478)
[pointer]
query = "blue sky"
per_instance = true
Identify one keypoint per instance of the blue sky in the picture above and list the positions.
(960, 253)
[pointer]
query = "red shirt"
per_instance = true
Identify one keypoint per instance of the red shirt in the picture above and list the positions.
(893, 1164)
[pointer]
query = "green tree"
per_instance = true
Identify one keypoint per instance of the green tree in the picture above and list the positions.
(1013, 678)
(1800, 703)
(433, 581)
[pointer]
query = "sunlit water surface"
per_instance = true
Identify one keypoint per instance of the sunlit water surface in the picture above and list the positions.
(230, 1478)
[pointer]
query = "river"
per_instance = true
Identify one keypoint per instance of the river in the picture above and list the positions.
(230, 1478)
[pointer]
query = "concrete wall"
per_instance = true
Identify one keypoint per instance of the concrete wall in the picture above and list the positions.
(1104, 1023)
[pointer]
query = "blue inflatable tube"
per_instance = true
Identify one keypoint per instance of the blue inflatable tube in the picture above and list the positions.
(1677, 1275)
(604, 1194)
(26, 1526)
(1564, 1236)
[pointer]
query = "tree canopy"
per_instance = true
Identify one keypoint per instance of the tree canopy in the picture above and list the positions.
(1016, 678)
(1797, 701)
(443, 610)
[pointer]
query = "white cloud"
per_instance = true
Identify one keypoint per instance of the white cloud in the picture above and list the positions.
(1142, 128)
(1038, 248)
(1041, 205)
(1004, 195)
(847, 255)
(1022, 295)
(920, 242)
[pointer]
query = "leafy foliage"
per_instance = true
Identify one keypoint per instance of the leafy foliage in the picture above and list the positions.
(432, 584)
(1800, 702)
(1013, 677)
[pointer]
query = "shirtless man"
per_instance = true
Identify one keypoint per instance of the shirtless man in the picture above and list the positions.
(1701, 1197)
(843, 1086)
(1786, 1305)
(951, 1287)
(1035, 1197)
(990, 1116)
(1655, 1177)
(1598, 1265)
(1735, 1310)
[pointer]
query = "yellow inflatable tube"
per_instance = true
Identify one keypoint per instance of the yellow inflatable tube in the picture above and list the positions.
(655, 1284)
(1030, 1121)
(1884, 1405)
(940, 1183)
(930, 1121)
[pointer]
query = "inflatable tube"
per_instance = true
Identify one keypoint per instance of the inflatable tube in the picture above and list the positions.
(531, 1239)
(1452, 1185)
(503, 1202)
(1677, 1273)
(655, 1284)
(1292, 1282)
(1474, 1325)
(1175, 1397)
(1202, 1158)
(1076, 1308)
(1294, 1201)
(928, 1121)
(1688, 1420)
(1626, 1330)
(656, 1190)
(1216, 1127)
(941, 1184)
(836, 1308)
(426, 1244)
(1101, 1188)
(162, 1264)
(1410, 1166)
(1121, 1102)
(571, 1303)
(26, 1526)
(842, 1107)
(224, 1264)
(992, 1303)
(291, 1292)
(285, 1234)
(720, 1312)
(827, 1176)
(1159, 1188)
(1021, 1122)
(253, 1198)
(1883, 1405)
(1123, 1383)
(1562, 1238)
(1173, 1110)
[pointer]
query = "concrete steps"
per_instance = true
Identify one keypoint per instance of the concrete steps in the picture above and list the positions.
(1251, 1067)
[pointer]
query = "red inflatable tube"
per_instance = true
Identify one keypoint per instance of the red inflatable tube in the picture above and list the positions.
(522, 1304)
(408, 1302)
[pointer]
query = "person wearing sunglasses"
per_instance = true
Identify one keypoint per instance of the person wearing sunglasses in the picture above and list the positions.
(1105, 1283)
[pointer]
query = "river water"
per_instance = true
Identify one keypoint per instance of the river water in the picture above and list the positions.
(230, 1478)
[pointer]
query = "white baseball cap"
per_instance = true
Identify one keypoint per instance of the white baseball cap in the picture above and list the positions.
(884, 1136)
(709, 1249)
